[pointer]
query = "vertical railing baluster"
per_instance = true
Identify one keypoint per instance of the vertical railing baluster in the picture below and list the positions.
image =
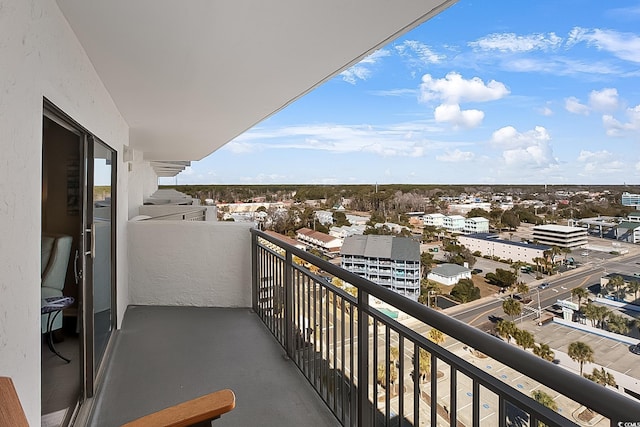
(342, 356)
(254, 272)
(434, 389)
(334, 389)
(416, 384)
(387, 361)
(288, 304)
(400, 379)
(374, 348)
(502, 411)
(476, 403)
(353, 396)
(453, 395)
(364, 417)
(327, 336)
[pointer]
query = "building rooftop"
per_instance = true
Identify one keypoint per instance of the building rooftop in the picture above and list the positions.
(449, 270)
(558, 228)
(494, 238)
(374, 246)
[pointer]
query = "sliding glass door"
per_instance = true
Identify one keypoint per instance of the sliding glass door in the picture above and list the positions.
(99, 265)
(83, 170)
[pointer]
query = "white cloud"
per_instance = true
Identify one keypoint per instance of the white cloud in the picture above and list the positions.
(510, 42)
(362, 70)
(453, 89)
(456, 156)
(599, 161)
(418, 54)
(528, 150)
(625, 46)
(573, 105)
(546, 111)
(604, 100)
(451, 113)
(615, 127)
(408, 139)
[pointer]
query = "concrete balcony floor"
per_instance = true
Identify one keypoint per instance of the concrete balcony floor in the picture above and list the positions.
(166, 355)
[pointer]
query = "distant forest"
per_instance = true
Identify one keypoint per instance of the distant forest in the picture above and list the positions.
(393, 199)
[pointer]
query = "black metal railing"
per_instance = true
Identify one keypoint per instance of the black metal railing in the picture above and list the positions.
(322, 315)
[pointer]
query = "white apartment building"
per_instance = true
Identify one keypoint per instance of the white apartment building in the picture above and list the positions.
(629, 199)
(389, 261)
(325, 217)
(433, 219)
(560, 235)
(476, 225)
(319, 240)
(457, 223)
(347, 230)
(491, 245)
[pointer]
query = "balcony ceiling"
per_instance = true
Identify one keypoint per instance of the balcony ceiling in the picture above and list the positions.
(189, 76)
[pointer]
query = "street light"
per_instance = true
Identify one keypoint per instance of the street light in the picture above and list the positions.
(429, 298)
(539, 310)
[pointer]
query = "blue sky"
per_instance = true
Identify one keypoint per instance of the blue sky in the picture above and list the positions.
(487, 92)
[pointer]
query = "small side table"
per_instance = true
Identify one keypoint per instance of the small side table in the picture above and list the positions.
(52, 307)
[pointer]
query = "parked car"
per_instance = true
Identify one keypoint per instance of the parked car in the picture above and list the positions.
(544, 285)
(635, 349)
(476, 271)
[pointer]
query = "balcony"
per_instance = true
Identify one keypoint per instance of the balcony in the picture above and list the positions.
(164, 355)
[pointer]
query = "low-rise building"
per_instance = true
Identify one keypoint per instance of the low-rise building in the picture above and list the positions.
(560, 235)
(454, 223)
(449, 274)
(491, 245)
(628, 231)
(318, 240)
(476, 225)
(389, 261)
(345, 231)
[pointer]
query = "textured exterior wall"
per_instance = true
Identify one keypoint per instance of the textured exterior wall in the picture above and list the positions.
(40, 58)
(204, 264)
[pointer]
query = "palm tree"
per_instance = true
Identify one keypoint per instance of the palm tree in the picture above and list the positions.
(580, 293)
(591, 313)
(617, 324)
(538, 261)
(602, 377)
(615, 282)
(522, 288)
(634, 287)
(394, 354)
(511, 307)
(524, 339)
(602, 313)
(581, 353)
(381, 375)
(506, 329)
(544, 399)
(544, 351)
(424, 364)
(437, 336)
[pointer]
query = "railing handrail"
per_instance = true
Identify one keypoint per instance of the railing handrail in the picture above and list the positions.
(555, 377)
(199, 210)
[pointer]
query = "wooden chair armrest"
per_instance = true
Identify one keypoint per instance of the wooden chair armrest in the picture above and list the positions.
(11, 411)
(198, 410)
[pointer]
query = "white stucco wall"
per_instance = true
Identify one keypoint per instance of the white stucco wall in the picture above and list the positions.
(206, 264)
(143, 181)
(40, 58)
